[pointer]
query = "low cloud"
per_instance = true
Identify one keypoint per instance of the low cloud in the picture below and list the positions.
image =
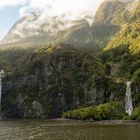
(59, 7)
(52, 16)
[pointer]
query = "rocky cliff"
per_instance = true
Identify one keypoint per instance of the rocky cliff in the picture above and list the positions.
(57, 80)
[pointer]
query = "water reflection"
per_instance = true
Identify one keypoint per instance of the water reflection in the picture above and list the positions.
(65, 130)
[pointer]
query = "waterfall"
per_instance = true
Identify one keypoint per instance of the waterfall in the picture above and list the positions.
(91, 32)
(1, 75)
(91, 35)
(90, 28)
(128, 102)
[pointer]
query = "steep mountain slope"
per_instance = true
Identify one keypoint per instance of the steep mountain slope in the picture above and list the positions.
(108, 20)
(129, 32)
(108, 12)
(79, 32)
(123, 51)
(127, 41)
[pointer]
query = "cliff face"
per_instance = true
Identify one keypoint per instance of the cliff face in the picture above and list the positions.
(57, 80)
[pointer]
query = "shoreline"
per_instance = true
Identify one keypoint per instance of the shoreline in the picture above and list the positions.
(117, 122)
(103, 122)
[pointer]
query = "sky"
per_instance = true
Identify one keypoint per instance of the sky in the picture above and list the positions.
(12, 10)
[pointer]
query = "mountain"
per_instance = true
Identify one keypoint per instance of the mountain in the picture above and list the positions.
(108, 12)
(127, 41)
(109, 17)
(64, 65)
(33, 27)
(32, 30)
(36, 29)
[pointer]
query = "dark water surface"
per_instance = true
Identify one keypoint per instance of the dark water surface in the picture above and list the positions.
(65, 130)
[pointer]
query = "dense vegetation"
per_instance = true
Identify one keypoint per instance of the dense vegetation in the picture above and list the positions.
(124, 49)
(53, 77)
(112, 110)
(12, 60)
(136, 114)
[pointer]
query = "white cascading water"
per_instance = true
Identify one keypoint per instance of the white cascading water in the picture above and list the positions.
(128, 101)
(90, 27)
(1, 75)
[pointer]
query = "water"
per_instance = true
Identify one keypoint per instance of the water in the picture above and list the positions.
(65, 130)
(1, 76)
(128, 104)
(0, 91)
(91, 31)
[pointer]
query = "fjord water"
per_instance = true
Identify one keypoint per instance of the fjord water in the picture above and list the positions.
(65, 130)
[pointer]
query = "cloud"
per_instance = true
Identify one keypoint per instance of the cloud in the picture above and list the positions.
(12, 2)
(26, 10)
(40, 3)
(58, 7)
(51, 16)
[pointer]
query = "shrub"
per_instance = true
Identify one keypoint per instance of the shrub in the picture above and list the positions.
(136, 77)
(136, 114)
(112, 110)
